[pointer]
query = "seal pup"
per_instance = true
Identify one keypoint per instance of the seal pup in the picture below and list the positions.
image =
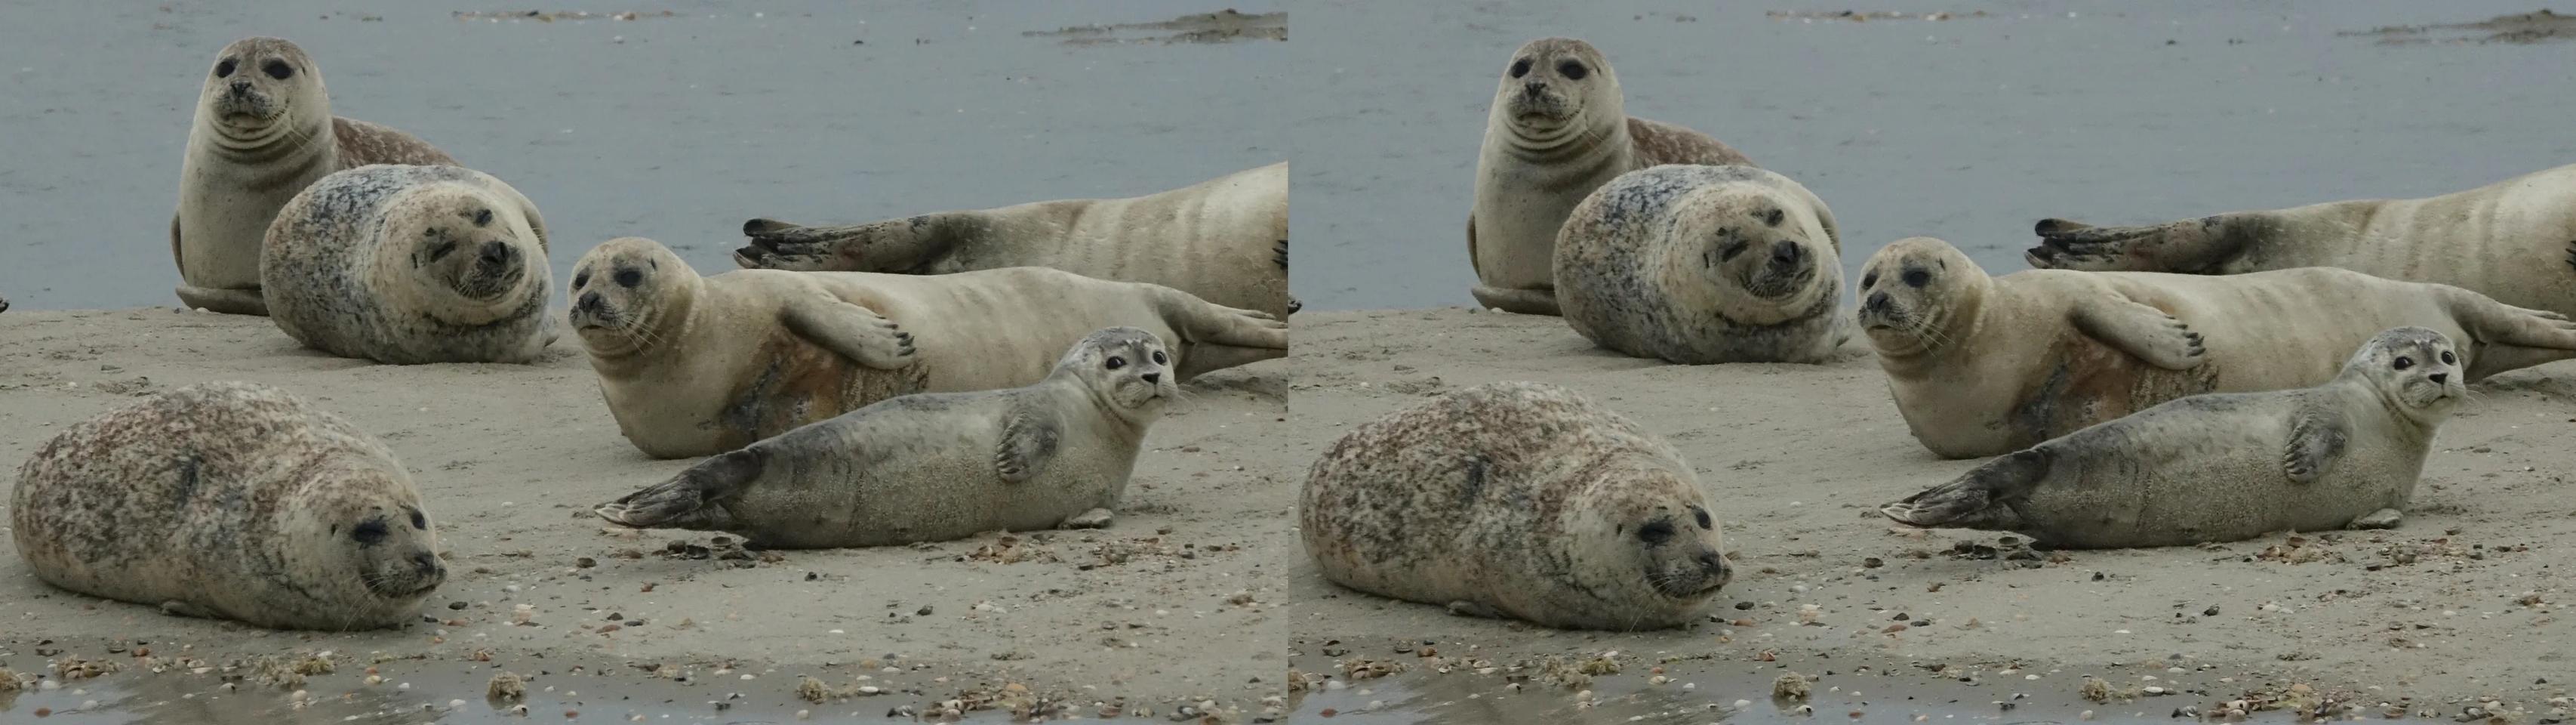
(1704, 264)
(2223, 466)
(263, 131)
(1558, 129)
(409, 265)
(934, 466)
(1224, 240)
(1518, 500)
(2513, 240)
(229, 500)
(695, 366)
(1983, 366)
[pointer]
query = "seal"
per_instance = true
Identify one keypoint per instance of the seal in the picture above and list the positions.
(1704, 264)
(1558, 129)
(1518, 500)
(1983, 366)
(2223, 466)
(1224, 240)
(934, 466)
(695, 366)
(229, 500)
(409, 265)
(262, 133)
(2513, 240)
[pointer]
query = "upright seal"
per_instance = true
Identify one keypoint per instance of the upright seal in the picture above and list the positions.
(229, 500)
(409, 265)
(2513, 240)
(1224, 240)
(1517, 500)
(2225, 466)
(695, 366)
(1983, 366)
(262, 133)
(935, 466)
(1558, 129)
(1704, 264)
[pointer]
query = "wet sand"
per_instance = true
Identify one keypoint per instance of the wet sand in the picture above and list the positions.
(2458, 605)
(1172, 606)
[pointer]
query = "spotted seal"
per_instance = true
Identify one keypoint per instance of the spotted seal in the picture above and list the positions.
(1704, 264)
(411, 264)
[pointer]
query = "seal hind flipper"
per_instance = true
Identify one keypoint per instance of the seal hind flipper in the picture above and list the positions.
(1029, 438)
(684, 501)
(781, 245)
(2191, 246)
(2317, 438)
(226, 301)
(1518, 301)
(856, 332)
(1970, 500)
(2141, 330)
(2507, 337)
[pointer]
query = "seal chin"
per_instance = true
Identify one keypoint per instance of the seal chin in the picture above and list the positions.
(403, 586)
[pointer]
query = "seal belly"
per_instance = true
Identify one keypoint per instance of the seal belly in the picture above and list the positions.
(2085, 382)
(800, 383)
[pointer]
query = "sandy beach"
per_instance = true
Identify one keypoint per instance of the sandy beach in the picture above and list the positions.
(2457, 607)
(1171, 607)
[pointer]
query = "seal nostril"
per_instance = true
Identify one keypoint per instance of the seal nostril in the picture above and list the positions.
(1152, 377)
(590, 301)
(495, 252)
(1712, 563)
(425, 561)
(1877, 301)
(1533, 88)
(2439, 377)
(1784, 252)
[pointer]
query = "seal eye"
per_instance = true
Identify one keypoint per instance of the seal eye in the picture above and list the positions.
(2447, 359)
(1917, 278)
(483, 218)
(1571, 69)
(581, 280)
(369, 533)
(1655, 534)
(1520, 67)
(422, 522)
(2404, 362)
(629, 278)
(1702, 515)
(1773, 218)
(1733, 249)
(442, 251)
(225, 69)
(1869, 281)
(1158, 357)
(277, 69)
(1115, 362)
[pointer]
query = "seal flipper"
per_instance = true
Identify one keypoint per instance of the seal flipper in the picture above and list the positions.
(1029, 437)
(2146, 332)
(686, 501)
(1517, 301)
(1093, 519)
(1466, 608)
(178, 608)
(2508, 337)
(2192, 246)
(1969, 500)
(2317, 438)
(2380, 519)
(856, 332)
(227, 301)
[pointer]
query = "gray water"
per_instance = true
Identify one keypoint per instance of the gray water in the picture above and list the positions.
(1968, 129)
(672, 128)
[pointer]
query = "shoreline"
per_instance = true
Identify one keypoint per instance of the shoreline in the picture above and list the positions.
(2455, 606)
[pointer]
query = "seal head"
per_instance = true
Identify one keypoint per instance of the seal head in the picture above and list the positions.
(1919, 293)
(377, 540)
(1551, 88)
(467, 260)
(1126, 369)
(251, 94)
(626, 293)
(2416, 370)
(1641, 534)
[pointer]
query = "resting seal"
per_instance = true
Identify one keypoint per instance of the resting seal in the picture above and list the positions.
(409, 265)
(1224, 240)
(1558, 130)
(229, 500)
(1519, 500)
(1703, 264)
(695, 366)
(934, 466)
(2513, 240)
(2223, 467)
(1981, 366)
(263, 132)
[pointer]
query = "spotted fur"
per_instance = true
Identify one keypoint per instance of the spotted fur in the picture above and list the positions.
(1655, 264)
(337, 281)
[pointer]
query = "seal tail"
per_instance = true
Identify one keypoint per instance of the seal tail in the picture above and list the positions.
(1970, 500)
(683, 502)
(776, 244)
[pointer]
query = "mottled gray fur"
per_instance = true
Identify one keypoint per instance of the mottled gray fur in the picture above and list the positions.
(352, 267)
(1703, 264)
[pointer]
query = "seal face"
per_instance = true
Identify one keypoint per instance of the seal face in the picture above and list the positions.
(1520, 500)
(2224, 466)
(263, 132)
(1558, 129)
(935, 466)
(696, 365)
(2513, 240)
(1703, 264)
(1984, 366)
(229, 500)
(411, 264)
(1224, 240)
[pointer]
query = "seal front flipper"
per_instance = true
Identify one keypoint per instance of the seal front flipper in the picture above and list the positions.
(1975, 499)
(1092, 519)
(178, 608)
(226, 301)
(1518, 301)
(2317, 438)
(856, 332)
(1029, 437)
(2135, 328)
(686, 501)
(1466, 608)
(2380, 519)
